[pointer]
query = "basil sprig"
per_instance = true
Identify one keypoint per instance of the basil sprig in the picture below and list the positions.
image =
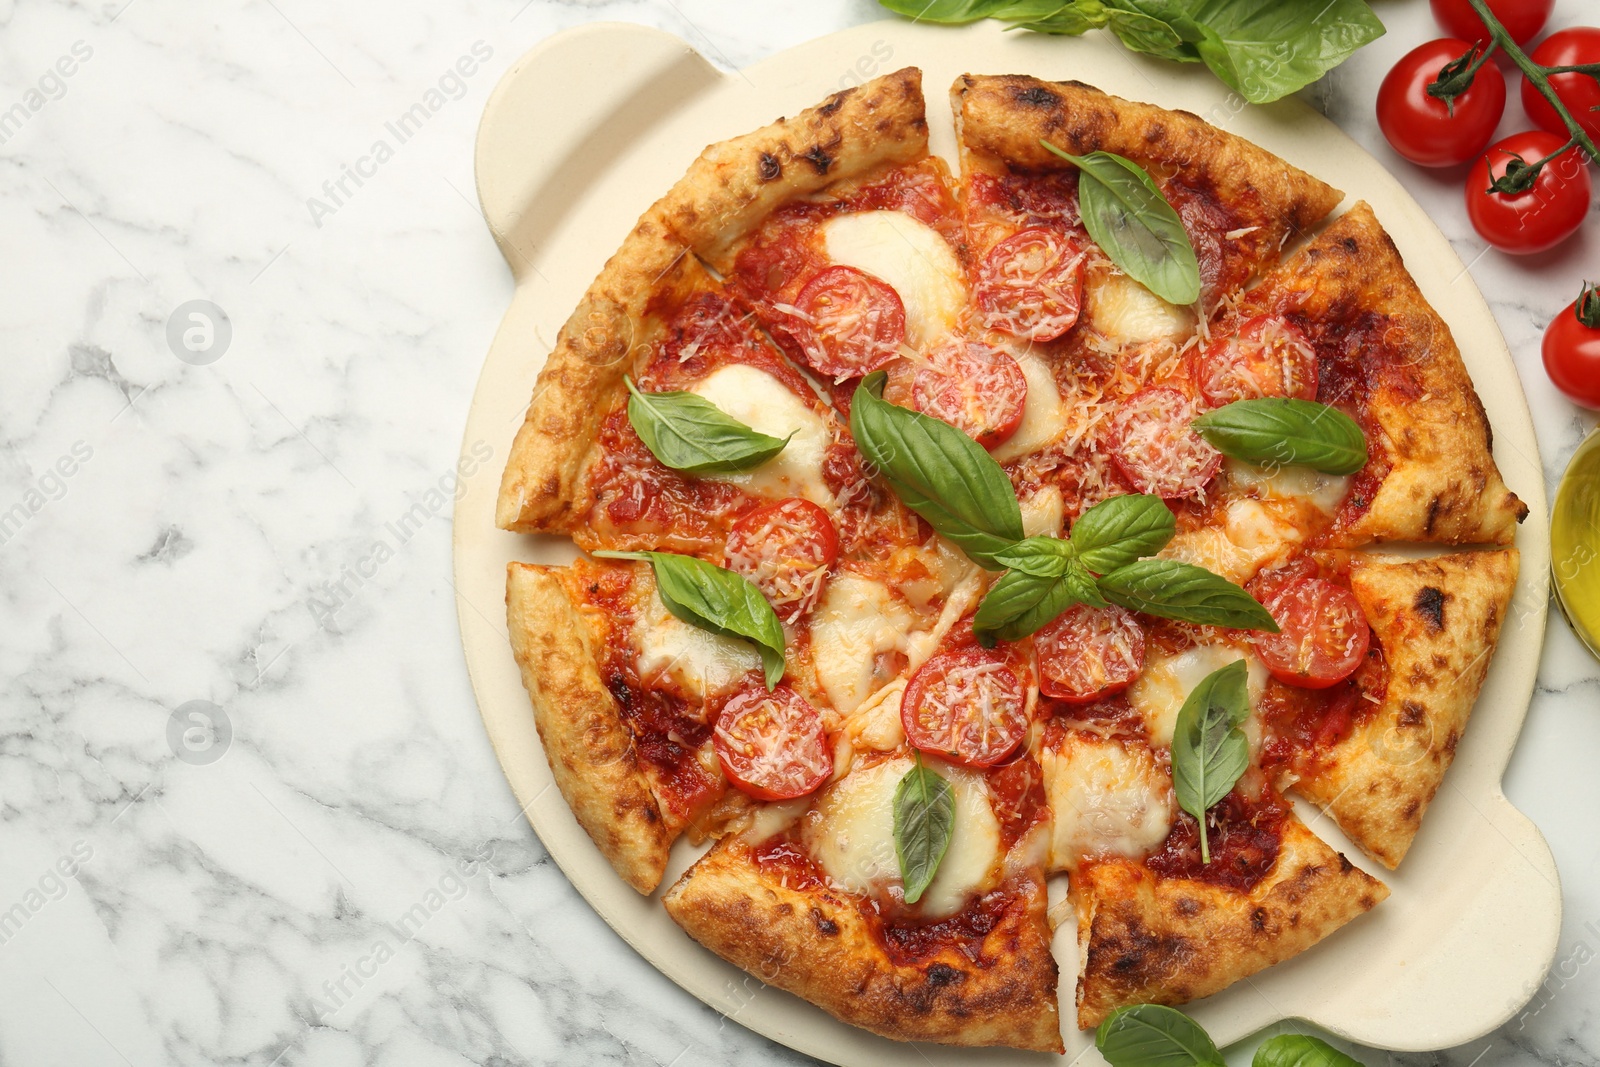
(688, 433)
(1099, 563)
(939, 472)
(1175, 590)
(1281, 431)
(924, 819)
(1263, 51)
(1133, 224)
(1209, 750)
(1300, 1050)
(1154, 1035)
(716, 599)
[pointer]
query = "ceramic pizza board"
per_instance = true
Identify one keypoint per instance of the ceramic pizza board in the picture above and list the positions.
(590, 127)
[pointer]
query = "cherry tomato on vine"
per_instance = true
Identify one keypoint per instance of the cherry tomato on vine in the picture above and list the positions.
(1579, 93)
(1521, 18)
(1539, 217)
(1572, 349)
(1430, 131)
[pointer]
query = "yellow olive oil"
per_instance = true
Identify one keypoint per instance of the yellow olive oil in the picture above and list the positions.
(1575, 542)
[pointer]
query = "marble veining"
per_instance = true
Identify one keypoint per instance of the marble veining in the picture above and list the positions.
(248, 813)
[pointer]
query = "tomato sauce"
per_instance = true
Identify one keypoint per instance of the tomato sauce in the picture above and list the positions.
(1304, 725)
(1016, 795)
(1243, 837)
(912, 942)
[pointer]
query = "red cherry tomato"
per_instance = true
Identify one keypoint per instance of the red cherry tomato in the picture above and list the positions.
(1153, 446)
(854, 323)
(1523, 19)
(978, 390)
(967, 705)
(785, 548)
(1579, 93)
(1031, 284)
(771, 745)
(1088, 653)
(1572, 349)
(1425, 129)
(1266, 357)
(1323, 634)
(1544, 215)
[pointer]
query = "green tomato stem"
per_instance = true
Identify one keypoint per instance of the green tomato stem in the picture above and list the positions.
(1540, 77)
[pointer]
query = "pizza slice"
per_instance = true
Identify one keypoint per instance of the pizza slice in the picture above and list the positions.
(810, 899)
(573, 467)
(1386, 358)
(1158, 920)
(1372, 748)
(1238, 202)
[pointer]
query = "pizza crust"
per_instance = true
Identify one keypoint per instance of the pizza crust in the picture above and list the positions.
(1438, 621)
(1443, 485)
(1168, 941)
(589, 747)
(817, 944)
(727, 191)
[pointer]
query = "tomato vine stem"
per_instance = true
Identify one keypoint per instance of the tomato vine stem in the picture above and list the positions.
(1540, 77)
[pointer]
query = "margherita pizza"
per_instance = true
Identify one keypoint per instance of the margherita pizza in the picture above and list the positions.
(951, 533)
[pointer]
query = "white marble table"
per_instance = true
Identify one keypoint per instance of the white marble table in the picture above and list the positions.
(258, 534)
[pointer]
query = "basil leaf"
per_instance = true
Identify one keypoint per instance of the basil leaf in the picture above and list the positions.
(689, 433)
(1154, 1035)
(1121, 529)
(1020, 604)
(1070, 20)
(716, 599)
(1183, 591)
(1209, 751)
(1042, 557)
(953, 12)
(1267, 51)
(1133, 224)
(1300, 1050)
(938, 472)
(1143, 33)
(924, 819)
(1279, 431)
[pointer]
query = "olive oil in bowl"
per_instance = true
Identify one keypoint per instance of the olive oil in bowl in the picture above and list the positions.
(1575, 542)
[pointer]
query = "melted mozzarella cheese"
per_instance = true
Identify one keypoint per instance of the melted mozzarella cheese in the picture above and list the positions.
(857, 620)
(765, 820)
(1166, 682)
(1106, 799)
(850, 834)
(1043, 513)
(1043, 415)
(876, 724)
(763, 403)
(1325, 492)
(1129, 314)
(692, 661)
(912, 258)
(1250, 536)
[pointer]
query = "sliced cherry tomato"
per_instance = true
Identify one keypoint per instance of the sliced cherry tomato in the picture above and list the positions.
(1572, 349)
(1323, 634)
(854, 323)
(1428, 131)
(967, 705)
(1088, 653)
(1031, 284)
(1579, 93)
(785, 548)
(1544, 215)
(1154, 447)
(978, 390)
(1266, 357)
(771, 745)
(1523, 19)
